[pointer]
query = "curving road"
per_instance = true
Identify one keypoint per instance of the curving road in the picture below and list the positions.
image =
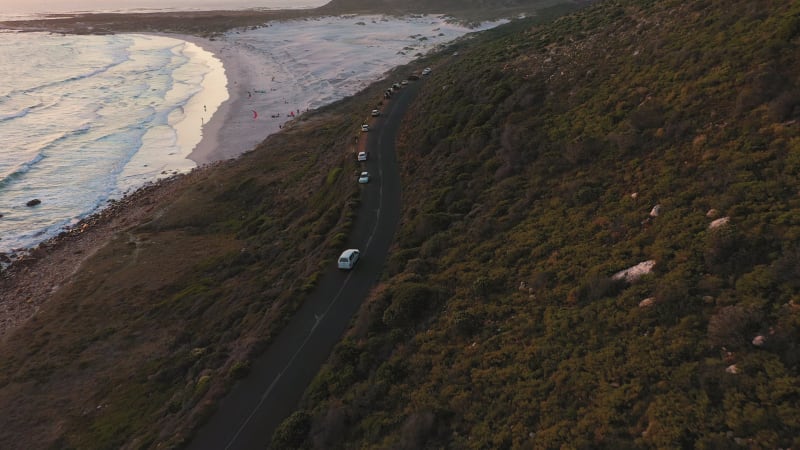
(256, 405)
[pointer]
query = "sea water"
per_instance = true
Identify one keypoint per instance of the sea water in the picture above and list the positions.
(16, 9)
(85, 119)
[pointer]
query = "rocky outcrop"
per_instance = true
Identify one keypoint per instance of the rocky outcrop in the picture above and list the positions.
(633, 273)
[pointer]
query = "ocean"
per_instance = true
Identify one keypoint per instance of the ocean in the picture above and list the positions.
(16, 9)
(84, 119)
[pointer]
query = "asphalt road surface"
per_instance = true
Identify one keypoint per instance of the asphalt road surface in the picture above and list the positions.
(256, 405)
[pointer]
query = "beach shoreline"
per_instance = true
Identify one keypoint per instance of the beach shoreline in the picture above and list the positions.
(208, 150)
(241, 122)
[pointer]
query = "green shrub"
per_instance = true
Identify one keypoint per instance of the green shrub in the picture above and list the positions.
(292, 432)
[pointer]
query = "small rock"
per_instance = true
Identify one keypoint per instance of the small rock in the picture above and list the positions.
(759, 340)
(655, 211)
(712, 213)
(632, 274)
(634, 195)
(650, 301)
(33, 202)
(732, 369)
(721, 222)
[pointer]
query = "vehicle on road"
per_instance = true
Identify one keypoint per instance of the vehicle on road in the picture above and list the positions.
(349, 258)
(365, 127)
(363, 178)
(375, 113)
(426, 71)
(362, 156)
(404, 82)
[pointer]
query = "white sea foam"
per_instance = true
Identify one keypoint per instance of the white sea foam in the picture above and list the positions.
(85, 118)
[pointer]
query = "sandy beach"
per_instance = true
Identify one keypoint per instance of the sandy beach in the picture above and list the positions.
(280, 71)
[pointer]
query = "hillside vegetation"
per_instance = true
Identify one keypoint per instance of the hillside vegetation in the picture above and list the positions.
(541, 160)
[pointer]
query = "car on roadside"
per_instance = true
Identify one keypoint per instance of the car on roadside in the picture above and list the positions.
(362, 156)
(365, 128)
(426, 71)
(363, 178)
(404, 82)
(375, 113)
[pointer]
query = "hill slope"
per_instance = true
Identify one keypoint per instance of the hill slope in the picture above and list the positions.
(540, 161)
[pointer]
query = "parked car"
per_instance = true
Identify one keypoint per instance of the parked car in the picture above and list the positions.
(375, 113)
(362, 156)
(363, 178)
(426, 71)
(365, 127)
(349, 258)
(404, 82)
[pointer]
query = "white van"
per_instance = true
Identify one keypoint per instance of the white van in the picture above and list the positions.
(349, 258)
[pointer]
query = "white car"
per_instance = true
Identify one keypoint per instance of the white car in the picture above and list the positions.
(365, 127)
(349, 258)
(426, 71)
(404, 82)
(375, 113)
(363, 178)
(362, 156)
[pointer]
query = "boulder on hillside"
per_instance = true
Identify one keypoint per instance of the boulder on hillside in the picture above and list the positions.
(648, 302)
(655, 211)
(633, 273)
(721, 222)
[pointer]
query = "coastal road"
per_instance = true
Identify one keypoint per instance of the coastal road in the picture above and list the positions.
(256, 405)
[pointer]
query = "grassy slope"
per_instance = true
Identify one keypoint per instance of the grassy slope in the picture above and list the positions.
(499, 326)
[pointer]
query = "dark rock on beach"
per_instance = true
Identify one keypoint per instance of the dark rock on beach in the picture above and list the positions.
(33, 202)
